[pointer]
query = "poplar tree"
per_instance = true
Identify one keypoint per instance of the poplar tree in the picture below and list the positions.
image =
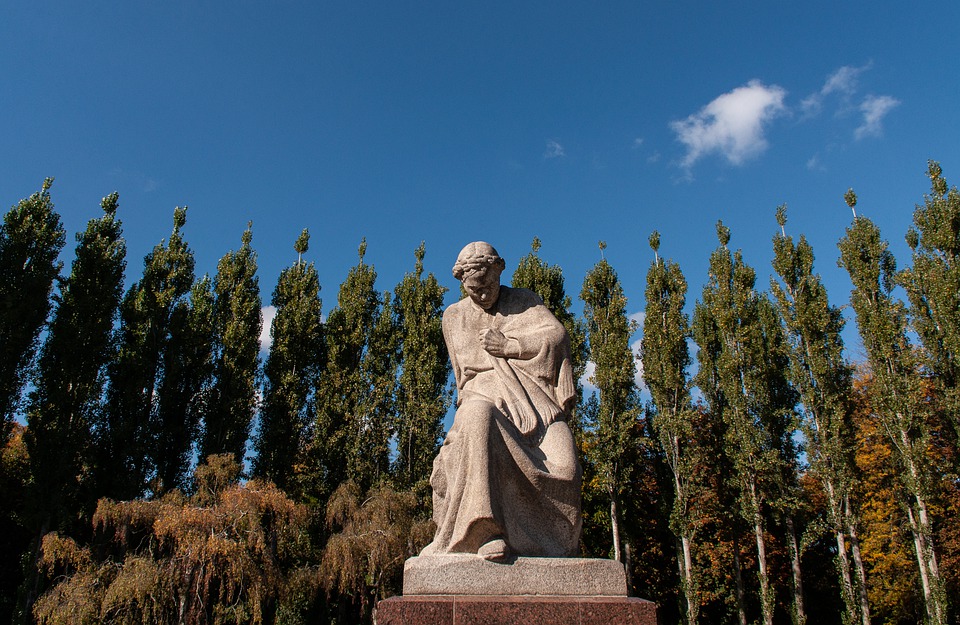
(900, 397)
(31, 238)
(746, 366)
(126, 428)
(824, 382)
(237, 323)
(666, 356)
(341, 422)
(613, 423)
(423, 388)
(71, 370)
(933, 288)
(547, 281)
(184, 387)
(292, 370)
(374, 415)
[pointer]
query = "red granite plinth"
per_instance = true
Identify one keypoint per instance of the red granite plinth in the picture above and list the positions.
(501, 610)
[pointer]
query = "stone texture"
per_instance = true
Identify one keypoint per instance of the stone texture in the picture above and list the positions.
(507, 479)
(470, 575)
(478, 610)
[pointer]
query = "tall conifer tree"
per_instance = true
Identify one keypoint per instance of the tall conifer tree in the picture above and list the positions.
(423, 389)
(824, 381)
(125, 430)
(665, 360)
(292, 371)
(70, 377)
(900, 395)
(614, 426)
(31, 238)
(237, 323)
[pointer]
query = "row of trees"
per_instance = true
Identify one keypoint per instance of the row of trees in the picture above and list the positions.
(769, 471)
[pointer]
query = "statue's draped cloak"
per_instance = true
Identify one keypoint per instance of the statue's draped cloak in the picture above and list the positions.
(508, 467)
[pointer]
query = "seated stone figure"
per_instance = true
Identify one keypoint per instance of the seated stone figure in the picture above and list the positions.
(507, 480)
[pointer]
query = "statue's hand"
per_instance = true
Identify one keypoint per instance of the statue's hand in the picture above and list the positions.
(494, 342)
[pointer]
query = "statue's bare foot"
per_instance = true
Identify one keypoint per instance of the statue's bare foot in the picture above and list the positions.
(496, 550)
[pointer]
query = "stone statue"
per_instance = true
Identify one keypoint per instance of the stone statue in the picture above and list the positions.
(507, 480)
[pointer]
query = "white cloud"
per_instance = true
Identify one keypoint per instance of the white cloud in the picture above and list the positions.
(638, 142)
(637, 365)
(268, 313)
(732, 124)
(638, 318)
(554, 150)
(588, 371)
(814, 164)
(843, 81)
(874, 109)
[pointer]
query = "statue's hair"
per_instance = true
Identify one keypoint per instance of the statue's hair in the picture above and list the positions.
(476, 256)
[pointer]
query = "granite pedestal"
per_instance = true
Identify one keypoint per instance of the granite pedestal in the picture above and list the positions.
(467, 590)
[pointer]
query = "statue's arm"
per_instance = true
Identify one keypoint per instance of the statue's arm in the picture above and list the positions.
(540, 329)
(446, 324)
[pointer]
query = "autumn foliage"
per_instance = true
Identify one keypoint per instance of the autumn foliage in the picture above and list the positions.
(230, 553)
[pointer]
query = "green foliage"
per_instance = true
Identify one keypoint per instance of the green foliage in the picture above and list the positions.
(823, 379)
(614, 424)
(743, 363)
(666, 356)
(423, 388)
(292, 371)
(68, 387)
(128, 429)
(30, 241)
(236, 346)
(184, 388)
(933, 288)
(899, 392)
(351, 431)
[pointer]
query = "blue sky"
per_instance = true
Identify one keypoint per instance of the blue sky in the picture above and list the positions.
(451, 122)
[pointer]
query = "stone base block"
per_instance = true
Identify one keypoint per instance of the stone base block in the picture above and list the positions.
(487, 610)
(470, 575)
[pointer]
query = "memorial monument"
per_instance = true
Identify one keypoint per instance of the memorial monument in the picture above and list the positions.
(506, 483)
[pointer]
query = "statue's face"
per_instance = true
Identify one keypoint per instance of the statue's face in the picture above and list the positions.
(483, 286)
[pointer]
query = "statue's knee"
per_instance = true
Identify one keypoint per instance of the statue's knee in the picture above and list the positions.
(475, 417)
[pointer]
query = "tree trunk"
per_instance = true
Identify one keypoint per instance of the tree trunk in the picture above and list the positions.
(766, 596)
(800, 613)
(858, 565)
(846, 584)
(936, 605)
(919, 546)
(839, 517)
(766, 600)
(689, 585)
(615, 525)
(738, 577)
(628, 564)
